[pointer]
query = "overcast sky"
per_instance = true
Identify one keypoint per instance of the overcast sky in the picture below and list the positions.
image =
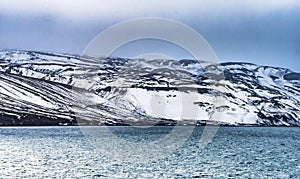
(261, 32)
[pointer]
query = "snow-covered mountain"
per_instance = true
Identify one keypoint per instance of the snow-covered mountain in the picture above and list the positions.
(38, 88)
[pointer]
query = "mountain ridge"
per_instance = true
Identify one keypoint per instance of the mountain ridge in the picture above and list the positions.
(43, 88)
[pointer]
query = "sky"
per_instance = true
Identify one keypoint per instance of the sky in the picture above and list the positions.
(260, 32)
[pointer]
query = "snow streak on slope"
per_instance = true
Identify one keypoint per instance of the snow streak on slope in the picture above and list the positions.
(38, 88)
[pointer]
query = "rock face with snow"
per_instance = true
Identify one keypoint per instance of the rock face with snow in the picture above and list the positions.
(38, 88)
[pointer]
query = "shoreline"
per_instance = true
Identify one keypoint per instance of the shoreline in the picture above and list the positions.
(145, 125)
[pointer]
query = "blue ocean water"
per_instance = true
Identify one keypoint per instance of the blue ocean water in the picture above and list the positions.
(234, 152)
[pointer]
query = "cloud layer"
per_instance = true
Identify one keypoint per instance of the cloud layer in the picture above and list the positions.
(262, 32)
(95, 9)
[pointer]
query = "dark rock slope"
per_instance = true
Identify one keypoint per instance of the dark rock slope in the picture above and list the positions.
(38, 88)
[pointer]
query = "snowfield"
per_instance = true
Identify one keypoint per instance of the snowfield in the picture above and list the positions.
(38, 88)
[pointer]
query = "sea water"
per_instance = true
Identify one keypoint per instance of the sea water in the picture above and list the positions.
(234, 152)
